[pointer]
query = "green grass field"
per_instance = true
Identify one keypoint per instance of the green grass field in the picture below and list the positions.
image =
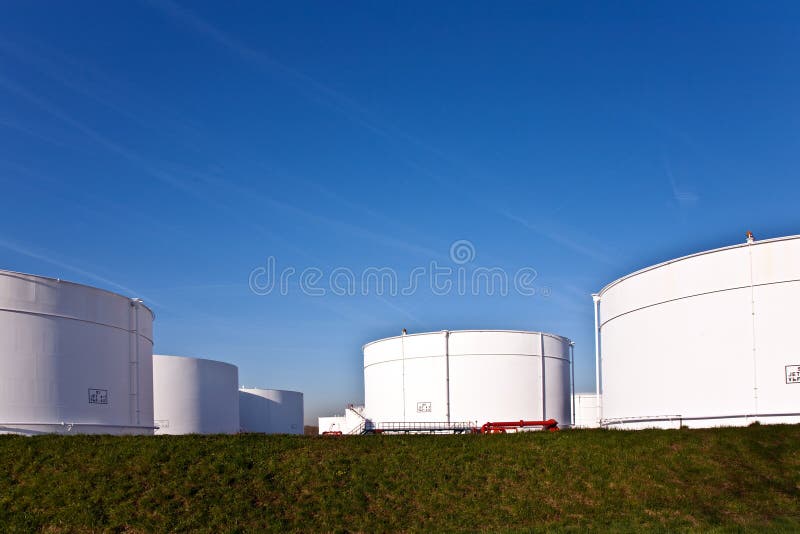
(745, 479)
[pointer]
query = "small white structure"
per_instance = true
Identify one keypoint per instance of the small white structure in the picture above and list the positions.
(195, 396)
(468, 376)
(73, 359)
(587, 410)
(352, 422)
(709, 339)
(271, 411)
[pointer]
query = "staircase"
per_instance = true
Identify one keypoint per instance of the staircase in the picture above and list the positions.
(365, 427)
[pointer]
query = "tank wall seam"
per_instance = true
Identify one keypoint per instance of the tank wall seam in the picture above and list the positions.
(686, 297)
(69, 318)
(566, 360)
(692, 256)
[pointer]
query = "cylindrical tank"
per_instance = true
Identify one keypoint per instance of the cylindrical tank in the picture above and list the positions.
(73, 359)
(475, 376)
(710, 339)
(195, 396)
(271, 411)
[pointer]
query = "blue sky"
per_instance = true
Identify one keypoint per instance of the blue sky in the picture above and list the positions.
(166, 150)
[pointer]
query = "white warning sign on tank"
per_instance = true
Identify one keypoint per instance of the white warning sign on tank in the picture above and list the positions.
(98, 396)
(793, 374)
(423, 407)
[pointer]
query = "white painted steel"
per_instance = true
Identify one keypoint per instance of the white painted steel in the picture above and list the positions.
(271, 411)
(597, 387)
(703, 340)
(351, 422)
(468, 376)
(195, 396)
(333, 423)
(73, 359)
(587, 410)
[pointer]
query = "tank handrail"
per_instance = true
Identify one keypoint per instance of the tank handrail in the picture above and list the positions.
(656, 418)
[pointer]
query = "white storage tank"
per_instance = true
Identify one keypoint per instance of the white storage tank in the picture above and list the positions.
(271, 411)
(195, 396)
(475, 376)
(710, 339)
(73, 359)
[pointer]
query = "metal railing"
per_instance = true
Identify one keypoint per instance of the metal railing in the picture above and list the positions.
(363, 428)
(423, 427)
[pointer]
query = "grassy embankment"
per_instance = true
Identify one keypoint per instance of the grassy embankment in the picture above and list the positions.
(726, 479)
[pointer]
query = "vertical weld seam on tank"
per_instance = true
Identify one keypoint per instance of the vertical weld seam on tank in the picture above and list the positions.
(136, 311)
(597, 361)
(447, 371)
(753, 326)
(132, 355)
(572, 383)
(403, 363)
(544, 391)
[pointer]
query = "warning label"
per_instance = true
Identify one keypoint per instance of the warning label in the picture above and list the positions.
(98, 396)
(793, 374)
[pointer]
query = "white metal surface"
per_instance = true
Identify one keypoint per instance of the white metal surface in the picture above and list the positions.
(332, 423)
(73, 359)
(350, 422)
(705, 340)
(195, 396)
(468, 376)
(587, 410)
(271, 411)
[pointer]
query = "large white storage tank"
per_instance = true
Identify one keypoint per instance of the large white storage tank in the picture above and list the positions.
(709, 339)
(195, 396)
(271, 411)
(474, 376)
(73, 359)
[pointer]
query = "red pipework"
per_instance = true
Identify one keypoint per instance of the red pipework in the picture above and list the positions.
(502, 427)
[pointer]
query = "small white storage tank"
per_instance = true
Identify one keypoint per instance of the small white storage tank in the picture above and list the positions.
(709, 339)
(73, 359)
(195, 396)
(475, 376)
(271, 411)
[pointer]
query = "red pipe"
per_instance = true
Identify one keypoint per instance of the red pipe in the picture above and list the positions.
(501, 427)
